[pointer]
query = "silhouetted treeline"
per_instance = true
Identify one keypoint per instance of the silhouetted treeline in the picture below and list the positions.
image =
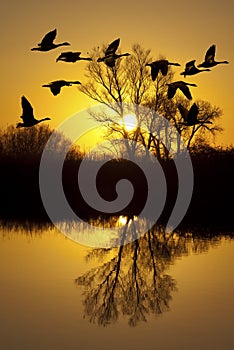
(20, 154)
(213, 194)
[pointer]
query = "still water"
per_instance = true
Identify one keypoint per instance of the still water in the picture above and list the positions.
(159, 292)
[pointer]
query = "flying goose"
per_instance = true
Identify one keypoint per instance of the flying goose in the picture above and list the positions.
(183, 86)
(110, 55)
(160, 65)
(190, 116)
(70, 56)
(210, 58)
(47, 42)
(191, 69)
(55, 86)
(27, 116)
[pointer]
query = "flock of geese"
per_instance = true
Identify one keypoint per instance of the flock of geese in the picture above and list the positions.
(109, 58)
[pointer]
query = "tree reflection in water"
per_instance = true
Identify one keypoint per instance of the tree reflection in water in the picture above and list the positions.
(132, 281)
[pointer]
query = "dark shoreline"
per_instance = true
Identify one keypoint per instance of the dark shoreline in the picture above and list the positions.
(210, 207)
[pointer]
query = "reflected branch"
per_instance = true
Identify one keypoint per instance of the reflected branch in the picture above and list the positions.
(133, 284)
(132, 280)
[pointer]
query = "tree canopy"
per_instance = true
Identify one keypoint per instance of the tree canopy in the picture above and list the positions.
(130, 82)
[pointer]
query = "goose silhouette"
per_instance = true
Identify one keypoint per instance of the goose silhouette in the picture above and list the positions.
(210, 58)
(183, 86)
(27, 116)
(160, 65)
(191, 69)
(190, 116)
(55, 86)
(73, 57)
(47, 42)
(110, 55)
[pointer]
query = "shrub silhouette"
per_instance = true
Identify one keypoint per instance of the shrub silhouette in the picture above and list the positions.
(20, 154)
(29, 143)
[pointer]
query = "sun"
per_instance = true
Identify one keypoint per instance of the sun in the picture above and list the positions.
(129, 122)
(122, 220)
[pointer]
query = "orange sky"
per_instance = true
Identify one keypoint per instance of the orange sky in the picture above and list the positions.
(177, 30)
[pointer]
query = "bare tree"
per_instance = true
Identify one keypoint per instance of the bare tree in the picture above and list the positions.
(132, 279)
(199, 134)
(132, 282)
(130, 82)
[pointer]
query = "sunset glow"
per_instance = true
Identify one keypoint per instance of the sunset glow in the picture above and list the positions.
(25, 71)
(129, 122)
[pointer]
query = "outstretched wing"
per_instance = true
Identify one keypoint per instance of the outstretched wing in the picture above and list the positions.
(186, 91)
(183, 111)
(27, 109)
(210, 54)
(49, 38)
(112, 47)
(154, 70)
(66, 55)
(110, 61)
(163, 64)
(171, 91)
(193, 113)
(55, 86)
(190, 64)
(194, 109)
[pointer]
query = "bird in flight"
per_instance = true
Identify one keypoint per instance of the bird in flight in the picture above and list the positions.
(47, 42)
(27, 116)
(191, 69)
(210, 58)
(73, 57)
(110, 55)
(55, 86)
(190, 116)
(160, 65)
(183, 86)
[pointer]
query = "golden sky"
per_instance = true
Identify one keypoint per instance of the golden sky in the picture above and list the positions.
(179, 30)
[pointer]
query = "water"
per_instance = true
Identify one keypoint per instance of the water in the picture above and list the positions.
(160, 292)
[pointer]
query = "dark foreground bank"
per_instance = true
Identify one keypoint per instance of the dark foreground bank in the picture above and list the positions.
(210, 206)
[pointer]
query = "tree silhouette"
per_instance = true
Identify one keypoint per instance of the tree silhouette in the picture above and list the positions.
(197, 135)
(29, 143)
(132, 281)
(130, 82)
